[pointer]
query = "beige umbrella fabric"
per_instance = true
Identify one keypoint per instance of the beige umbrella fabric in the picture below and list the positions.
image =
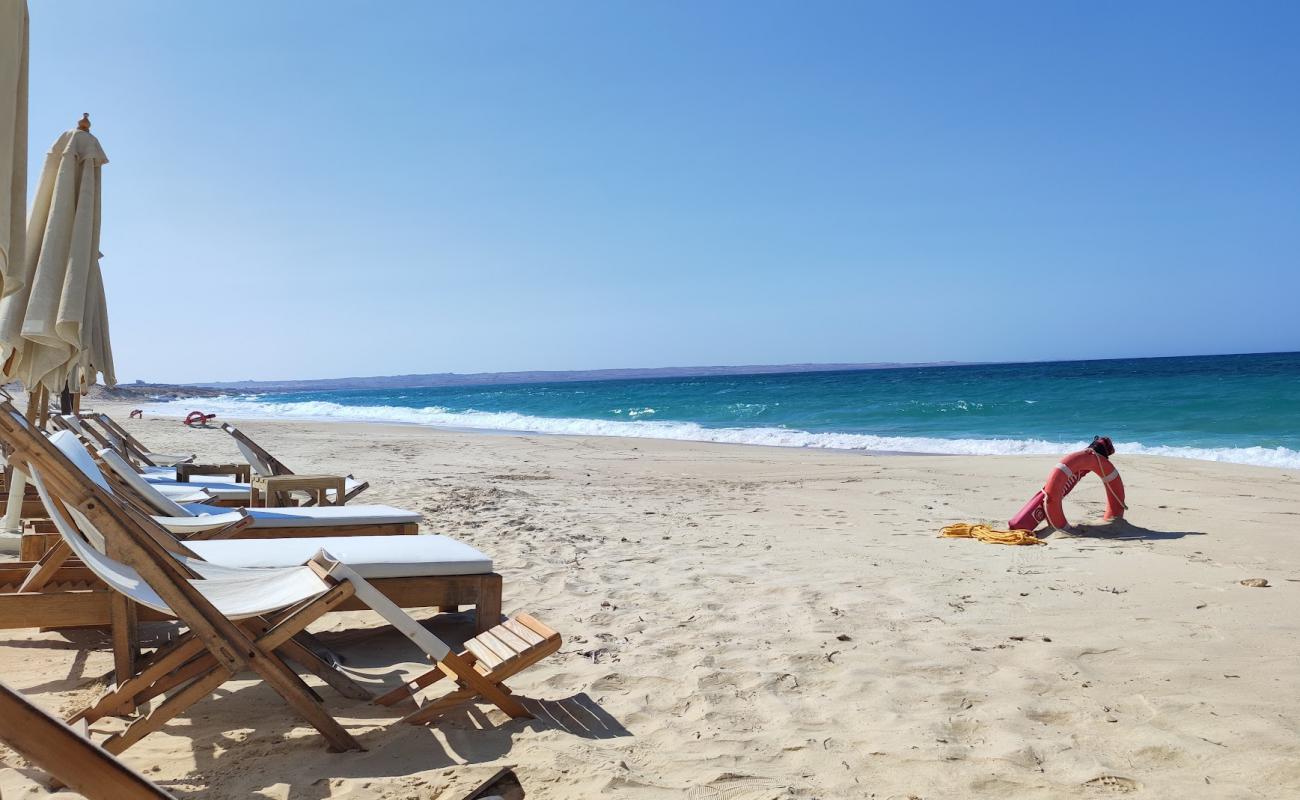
(53, 322)
(13, 194)
(13, 137)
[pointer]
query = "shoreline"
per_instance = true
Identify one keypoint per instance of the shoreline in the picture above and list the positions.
(119, 408)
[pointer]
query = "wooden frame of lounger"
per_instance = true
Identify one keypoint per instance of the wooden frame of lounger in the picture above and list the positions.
(277, 466)
(58, 591)
(138, 542)
(70, 758)
(215, 647)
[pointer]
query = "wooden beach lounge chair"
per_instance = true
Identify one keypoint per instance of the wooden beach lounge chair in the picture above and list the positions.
(200, 489)
(114, 435)
(235, 618)
(412, 571)
(187, 518)
(263, 463)
(65, 754)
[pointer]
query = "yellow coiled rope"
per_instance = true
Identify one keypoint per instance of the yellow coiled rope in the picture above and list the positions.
(969, 530)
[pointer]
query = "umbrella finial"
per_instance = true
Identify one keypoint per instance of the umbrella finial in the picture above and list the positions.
(84, 123)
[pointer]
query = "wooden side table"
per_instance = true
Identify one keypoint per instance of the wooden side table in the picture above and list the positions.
(272, 490)
(241, 472)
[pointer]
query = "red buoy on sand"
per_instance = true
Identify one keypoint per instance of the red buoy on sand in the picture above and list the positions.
(1046, 505)
(198, 418)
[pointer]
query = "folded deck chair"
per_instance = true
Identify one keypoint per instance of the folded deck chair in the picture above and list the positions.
(115, 436)
(65, 754)
(236, 618)
(263, 463)
(187, 518)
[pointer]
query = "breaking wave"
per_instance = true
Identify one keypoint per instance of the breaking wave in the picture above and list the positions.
(250, 407)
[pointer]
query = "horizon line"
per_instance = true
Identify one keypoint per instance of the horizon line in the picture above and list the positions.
(686, 371)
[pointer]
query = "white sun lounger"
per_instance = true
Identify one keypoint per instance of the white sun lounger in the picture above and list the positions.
(265, 464)
(197, 490)
(190, 518)
(415, 571)
(235, 594)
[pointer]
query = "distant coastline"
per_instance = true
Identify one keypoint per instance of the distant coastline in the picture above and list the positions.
(439, 379)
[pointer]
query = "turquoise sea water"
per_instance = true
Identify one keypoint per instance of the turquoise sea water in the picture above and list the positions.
(1229, 408)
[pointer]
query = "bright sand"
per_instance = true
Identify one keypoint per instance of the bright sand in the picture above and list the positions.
(754, 623)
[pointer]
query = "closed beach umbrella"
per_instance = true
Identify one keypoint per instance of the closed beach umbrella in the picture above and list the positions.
(13, 137)
(53, 318)
(13, 180)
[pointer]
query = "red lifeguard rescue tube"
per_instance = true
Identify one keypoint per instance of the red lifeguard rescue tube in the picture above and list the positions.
(198, 418)
(1046, 505)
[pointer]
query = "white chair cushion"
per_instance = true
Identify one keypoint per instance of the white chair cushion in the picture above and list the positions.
(222, 490)
(323, 516)
(185, 527)
(169, 459)
(371, 556)
(184, 493)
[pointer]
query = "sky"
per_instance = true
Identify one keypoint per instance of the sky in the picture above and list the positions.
(327, 189)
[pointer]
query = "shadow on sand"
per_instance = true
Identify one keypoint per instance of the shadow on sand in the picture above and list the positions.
(1122, 530)
(465, 736)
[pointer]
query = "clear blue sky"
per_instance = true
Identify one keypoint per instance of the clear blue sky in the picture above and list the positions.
(324, 189)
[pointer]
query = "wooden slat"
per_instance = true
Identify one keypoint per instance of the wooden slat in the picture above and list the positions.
(483, 653)
(497, 646)
(515, 643)
(535, 626)
(523, 632)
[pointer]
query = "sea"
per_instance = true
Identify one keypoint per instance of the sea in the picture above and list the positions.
(1237, 408)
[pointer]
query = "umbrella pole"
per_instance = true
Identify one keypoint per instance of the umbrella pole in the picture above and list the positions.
(44, 409)
(34, 403)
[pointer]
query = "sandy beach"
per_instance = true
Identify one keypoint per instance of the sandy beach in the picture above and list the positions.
(751, 623)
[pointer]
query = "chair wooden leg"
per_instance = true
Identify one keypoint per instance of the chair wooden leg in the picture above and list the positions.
(456, 667)
(187, 672)
(166, 710)
(112, 700)
(299, 695)
(429, 710)
(487, 611)
(407, 690)
(305, 657)
(46, 567)
(125, 622)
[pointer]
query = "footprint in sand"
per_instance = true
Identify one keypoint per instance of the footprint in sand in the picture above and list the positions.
(1113, 783)
(735, 787)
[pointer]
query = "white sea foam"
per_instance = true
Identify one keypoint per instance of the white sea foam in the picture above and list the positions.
(250, 407)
